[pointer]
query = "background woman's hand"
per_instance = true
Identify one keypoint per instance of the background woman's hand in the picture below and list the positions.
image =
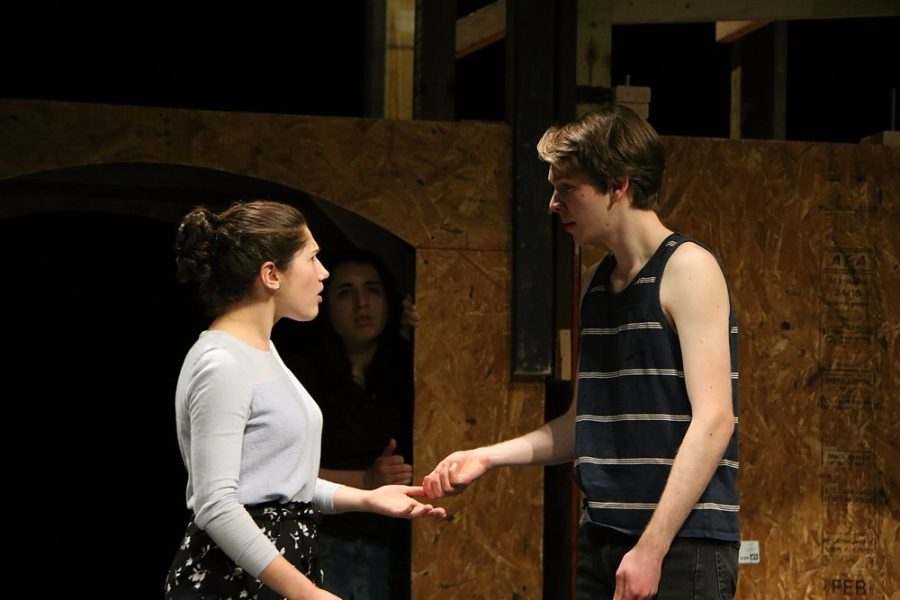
(388, 469)
(409, 319)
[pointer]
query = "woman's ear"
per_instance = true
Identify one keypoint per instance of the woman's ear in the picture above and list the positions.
(270, 276)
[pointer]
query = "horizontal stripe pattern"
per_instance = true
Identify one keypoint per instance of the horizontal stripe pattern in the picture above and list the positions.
(730, 464)
(629, 372)
(621, 328)
(635, 417)
(633, 410)
(652, 506)
(636, 372)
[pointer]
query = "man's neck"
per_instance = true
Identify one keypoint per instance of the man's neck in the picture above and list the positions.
(635, 242)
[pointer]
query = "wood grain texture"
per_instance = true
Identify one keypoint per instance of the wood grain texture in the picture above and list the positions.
(807, 235)
(490, 546)
(433, 184)
(443, 187)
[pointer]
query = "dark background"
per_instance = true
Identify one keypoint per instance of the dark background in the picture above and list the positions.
(311, 60)
(98, 327)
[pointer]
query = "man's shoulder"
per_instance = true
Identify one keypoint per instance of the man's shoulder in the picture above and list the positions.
(689, 258)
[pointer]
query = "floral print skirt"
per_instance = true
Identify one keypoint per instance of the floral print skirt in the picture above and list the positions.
(202, 571)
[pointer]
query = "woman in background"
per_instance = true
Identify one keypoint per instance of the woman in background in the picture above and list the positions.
(248, 431)
(361, 376)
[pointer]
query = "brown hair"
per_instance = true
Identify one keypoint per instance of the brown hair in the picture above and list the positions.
(609, 145)
(223, 252)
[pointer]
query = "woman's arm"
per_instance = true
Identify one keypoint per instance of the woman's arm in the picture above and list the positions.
(389, 500)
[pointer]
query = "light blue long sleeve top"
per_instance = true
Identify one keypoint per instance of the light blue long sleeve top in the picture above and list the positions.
(249, 433)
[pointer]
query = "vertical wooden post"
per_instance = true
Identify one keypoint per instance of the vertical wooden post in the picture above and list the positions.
(531, 74)
(779, 81)
(399, 58)
(435, 64)
(593, 60)
(734, 127)
(374, 59)
(759, 84)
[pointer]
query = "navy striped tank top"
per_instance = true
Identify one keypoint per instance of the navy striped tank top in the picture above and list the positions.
(633, 408)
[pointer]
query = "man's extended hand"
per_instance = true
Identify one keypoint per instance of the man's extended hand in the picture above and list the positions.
(455, 473)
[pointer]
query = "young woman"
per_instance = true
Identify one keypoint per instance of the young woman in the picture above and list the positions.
(361, 376)
(248, 431)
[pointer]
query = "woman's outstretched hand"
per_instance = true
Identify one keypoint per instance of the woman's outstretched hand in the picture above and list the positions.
(400, 501)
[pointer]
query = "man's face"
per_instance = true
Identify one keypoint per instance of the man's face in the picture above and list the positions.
(582, 208)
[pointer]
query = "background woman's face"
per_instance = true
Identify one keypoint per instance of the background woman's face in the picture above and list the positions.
(357, 305)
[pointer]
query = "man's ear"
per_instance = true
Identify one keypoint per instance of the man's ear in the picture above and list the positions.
(270, 276)
(621, 184)
(619, 188)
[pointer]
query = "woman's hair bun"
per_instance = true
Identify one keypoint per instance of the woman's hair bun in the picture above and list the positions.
(195, 245)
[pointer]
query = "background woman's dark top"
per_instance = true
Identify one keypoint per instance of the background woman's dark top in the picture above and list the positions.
(359, 423)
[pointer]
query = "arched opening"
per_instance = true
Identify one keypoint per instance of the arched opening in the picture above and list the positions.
(97, 331)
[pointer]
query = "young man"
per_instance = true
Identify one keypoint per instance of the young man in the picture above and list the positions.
(653, 430)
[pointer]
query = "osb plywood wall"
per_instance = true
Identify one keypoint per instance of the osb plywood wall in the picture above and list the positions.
(445, 189)
(809, 238)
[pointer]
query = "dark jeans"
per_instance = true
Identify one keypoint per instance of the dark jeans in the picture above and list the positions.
(694, 569)
(357, 569)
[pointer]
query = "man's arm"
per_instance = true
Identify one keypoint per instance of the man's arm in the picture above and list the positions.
(552, 443)
(694, 295)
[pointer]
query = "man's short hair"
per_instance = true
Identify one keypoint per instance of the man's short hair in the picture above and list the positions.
(609, 145)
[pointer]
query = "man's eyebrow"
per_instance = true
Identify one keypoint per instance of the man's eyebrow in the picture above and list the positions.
(560, 178)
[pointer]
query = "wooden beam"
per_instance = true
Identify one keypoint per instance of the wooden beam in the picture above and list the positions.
(532, 71)
(399, 59)
(593, 60)
(373, 76)
(435, 60)
(734, 116)
(488, 25)
(759, 84)
(731, 31)
(633, 12)
(481, 28)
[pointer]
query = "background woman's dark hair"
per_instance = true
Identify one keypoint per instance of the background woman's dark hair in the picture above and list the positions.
(223, 252)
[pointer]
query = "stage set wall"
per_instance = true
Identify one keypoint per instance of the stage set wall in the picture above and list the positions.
(807, 235)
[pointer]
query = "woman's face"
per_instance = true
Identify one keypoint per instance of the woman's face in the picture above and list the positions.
(300, 292)
(357, 305)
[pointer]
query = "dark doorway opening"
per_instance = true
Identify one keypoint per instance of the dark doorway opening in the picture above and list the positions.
(96, 331)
